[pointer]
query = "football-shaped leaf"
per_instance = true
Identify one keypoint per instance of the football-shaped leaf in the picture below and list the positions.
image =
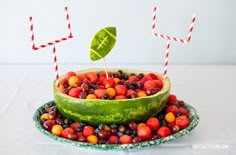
(102, 43)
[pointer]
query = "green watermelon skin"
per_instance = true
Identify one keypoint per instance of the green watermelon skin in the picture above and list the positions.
(98, 111)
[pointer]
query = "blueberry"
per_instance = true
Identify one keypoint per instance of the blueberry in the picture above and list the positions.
(134, 84)
(121, 72)
(128, 131)
(124, 76)
(82, 124)
(132, 87)
(133, 135)
(113, 126)
(79, 129)
(134, 132)
(160, 117)
(164, 123)
(59, 115)
(106, 97)
(101, 126)
(97, 130)
(120, 133)
(65, 126)
(178, 114)
(66, 121)
(93, 86)
(128, 96)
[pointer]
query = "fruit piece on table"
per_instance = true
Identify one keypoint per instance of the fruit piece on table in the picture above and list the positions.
(163, 132)
(120, 97)
(109, 83)
(72, 136)
(113, 139)
(116, 80)
(75, 125)
(103, 74)
(91, 96)
(92, 139)
(184, 111)
(99, 93)
(82, 77)
(152, 91)
(151, 76)
(44, 116)
(133, 125)
(88, 130)
(57, 130)
(153, 123)
(74, 92)
(69, 74)
(173, 108)
(144, 132)
(182, 121)
(47, 125)
(170, 117)
(111, 92)
(120, 89)
(66, 131)
(150, 84)
(133, 78)
(73, 81)
(172, 98)
(103, 134)
(175, 129)
(142, 94)
(125, 139)
(158, 83)
(92, 77)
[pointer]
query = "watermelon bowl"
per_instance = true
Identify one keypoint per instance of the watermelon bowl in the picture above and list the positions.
(97, 111)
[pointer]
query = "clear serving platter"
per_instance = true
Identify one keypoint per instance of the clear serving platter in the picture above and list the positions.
(193, 115)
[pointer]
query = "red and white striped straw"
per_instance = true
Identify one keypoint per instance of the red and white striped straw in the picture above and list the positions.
(168, 38)
(55, 65)
(166, 57)
(51, 43)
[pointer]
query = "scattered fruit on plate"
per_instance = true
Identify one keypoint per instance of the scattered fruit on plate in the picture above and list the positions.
(173, 118)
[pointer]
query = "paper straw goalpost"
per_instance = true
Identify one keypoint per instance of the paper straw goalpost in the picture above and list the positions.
(169, 38)
(52, 43)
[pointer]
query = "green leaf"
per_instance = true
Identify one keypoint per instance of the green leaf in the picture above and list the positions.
(102, 43)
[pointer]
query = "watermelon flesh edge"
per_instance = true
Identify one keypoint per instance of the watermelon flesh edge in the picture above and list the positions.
(98, 111)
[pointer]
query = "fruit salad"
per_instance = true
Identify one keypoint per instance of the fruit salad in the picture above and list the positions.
(117, 86)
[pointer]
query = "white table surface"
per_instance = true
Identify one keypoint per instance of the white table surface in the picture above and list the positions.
(210, 89)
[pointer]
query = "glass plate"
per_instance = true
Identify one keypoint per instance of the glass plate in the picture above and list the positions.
(194, 119)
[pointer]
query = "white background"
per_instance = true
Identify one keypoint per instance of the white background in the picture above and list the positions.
(212, 39)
